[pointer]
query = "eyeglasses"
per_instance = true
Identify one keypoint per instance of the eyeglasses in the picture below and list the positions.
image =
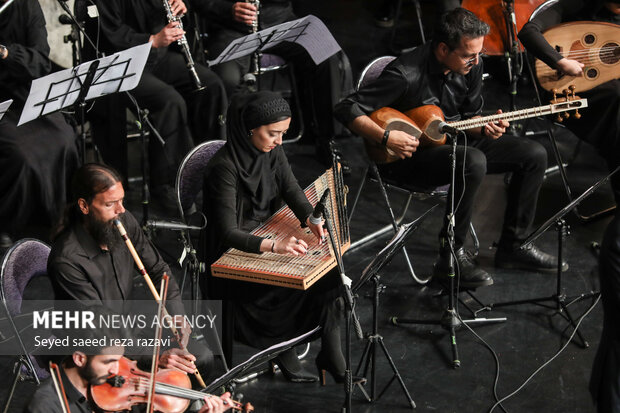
(471, 60)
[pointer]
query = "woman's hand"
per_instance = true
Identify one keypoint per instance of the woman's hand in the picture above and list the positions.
(290, 245)
(317, 229)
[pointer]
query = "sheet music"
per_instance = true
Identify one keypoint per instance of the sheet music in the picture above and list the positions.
(116, 73)
(4, 107)
(309, 32)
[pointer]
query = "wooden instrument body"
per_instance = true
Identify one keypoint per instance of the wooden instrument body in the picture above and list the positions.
(298, 272)
(492, 12)
(595, 44)
(423, 122)
(134, 389)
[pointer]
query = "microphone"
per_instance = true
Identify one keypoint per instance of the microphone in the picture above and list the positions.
(64, 19)
(315, 218)
(443, 127)
(171, 225)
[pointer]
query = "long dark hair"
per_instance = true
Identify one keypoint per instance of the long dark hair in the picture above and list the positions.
(88, 181)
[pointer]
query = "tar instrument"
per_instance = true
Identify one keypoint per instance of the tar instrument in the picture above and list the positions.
(595, 44)
(298, 272)
(423, 122)
(182, 42)
(493, 12)
(149, 282)
(131, 385)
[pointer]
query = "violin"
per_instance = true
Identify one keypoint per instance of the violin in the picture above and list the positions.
(130, 386)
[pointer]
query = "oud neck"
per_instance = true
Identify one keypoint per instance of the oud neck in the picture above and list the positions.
(516, 115)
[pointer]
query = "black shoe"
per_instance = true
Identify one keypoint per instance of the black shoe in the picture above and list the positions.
(165, 196)
(291, 368)
(528, 258)
(471, 275)
(323, 366)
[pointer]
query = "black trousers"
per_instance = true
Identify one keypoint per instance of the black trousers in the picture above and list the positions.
(37, 160)
(182, 116)
(526, 159)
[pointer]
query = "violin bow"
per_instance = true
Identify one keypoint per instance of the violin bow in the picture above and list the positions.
(154, 362)
(149, 283)
(59, 387)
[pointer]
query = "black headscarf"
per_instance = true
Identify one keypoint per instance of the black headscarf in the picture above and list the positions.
(246, 112)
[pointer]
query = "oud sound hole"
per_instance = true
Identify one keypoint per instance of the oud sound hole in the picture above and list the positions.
(591, 73)
(610, 53)
(589, 39)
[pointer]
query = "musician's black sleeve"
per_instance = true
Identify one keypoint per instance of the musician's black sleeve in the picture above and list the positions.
(391, 85)
(221, 195)
(113, 15)
(290, 190)
(531, 34)
(27, 59)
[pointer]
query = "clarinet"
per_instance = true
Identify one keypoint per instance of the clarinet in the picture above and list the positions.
(184, 46)
(254, 29)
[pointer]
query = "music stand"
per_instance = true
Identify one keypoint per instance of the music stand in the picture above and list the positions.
(560, 300)
(4, 107)
(371, 271)
(261, 357)
(89, 80)
(309, 32)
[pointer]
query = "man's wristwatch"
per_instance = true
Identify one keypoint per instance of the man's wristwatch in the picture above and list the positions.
(3, 51)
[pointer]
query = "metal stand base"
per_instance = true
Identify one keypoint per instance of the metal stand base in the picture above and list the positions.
(369, 356)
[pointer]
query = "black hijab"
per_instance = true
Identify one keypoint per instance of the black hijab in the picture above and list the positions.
(246, 112)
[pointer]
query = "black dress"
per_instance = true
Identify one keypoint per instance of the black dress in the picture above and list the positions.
(263, 314)
(38, 158)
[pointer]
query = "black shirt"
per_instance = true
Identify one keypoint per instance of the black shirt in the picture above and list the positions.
(81, 270)
(414, 79)
(46, 400)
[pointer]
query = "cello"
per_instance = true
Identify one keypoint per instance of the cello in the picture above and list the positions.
(495, 13)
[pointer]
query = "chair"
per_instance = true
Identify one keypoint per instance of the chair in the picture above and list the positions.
(370, 73)
(24, 261)
(190, 175)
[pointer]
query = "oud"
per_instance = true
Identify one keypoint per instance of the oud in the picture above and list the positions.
(595, 44)
(423, 122)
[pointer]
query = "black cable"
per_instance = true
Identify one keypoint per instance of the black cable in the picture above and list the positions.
(570, 339)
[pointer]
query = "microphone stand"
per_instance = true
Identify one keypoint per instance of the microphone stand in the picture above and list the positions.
(450, 320)
(350, 316)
